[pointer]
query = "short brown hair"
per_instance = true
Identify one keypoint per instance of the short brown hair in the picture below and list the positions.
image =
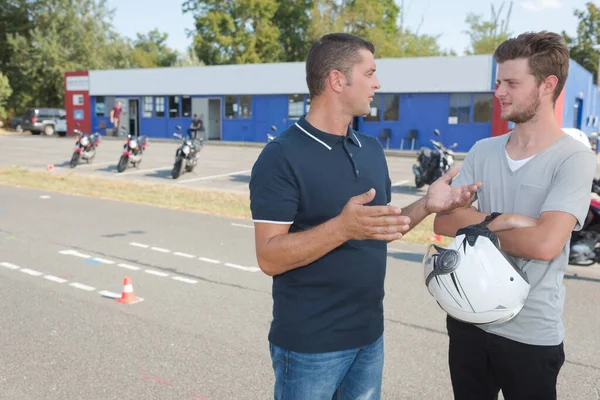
(547, 54)
(334, 51)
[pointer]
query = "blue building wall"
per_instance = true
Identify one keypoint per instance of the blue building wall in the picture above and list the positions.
(581, 91)
(424, 113)
(420, 112)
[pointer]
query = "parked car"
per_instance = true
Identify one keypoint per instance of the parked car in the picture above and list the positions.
(17, 124)
(47, 120)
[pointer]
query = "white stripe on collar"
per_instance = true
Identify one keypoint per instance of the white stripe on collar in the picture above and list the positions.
(356, 137)
(318, 140)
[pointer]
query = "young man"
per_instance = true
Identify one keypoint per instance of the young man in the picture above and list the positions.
(319, 198)
(115, 116)
(540, 179)
(195, 126)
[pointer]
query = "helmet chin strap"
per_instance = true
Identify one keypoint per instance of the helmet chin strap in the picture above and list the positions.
(488, 219)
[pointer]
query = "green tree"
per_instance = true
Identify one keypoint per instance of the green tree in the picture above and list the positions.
(235, 32)
(63, 35)
(151, 50)
(412, 44)
(188, 59)
(582, 46)
(5, 92)
(14, 19)
(487, 35)
(379, 22)
(293, 19)
(375, 21)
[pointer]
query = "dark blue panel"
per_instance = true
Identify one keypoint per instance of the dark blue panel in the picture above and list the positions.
(424, 113)
(172, 122)
(153, 127)
(238, 130)
(268, 111)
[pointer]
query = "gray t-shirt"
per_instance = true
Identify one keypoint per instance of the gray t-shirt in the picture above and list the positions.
(559, 178)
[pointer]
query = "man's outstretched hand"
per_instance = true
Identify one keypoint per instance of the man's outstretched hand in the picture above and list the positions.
(442, 197)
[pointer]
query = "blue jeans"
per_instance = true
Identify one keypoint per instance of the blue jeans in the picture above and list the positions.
(340, 375)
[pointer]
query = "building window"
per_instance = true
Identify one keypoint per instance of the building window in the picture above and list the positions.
(460, 108)
(186, 106)
(147, 107)
(483, 104)
(100, 107)
(231, 107)
(159, 106)
(173, 106)
(307, 103)
(295, 106)
(374, 116)
(391, 107)
(245, 107)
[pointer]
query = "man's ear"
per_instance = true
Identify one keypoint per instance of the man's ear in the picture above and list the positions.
(336, 81)
(549, 85)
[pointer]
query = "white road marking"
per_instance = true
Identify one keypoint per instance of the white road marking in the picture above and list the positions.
(82, 286)
(157, 273)
(242, 225)
(44, 197)
(161, 250)
(109, 294)
(204, 178)
(139, 171)
(10, 266)
(399, 183)
(249, 269)
(74, 253)
(31, 272)
(104, 261)
(143, 246)
(55, 279)
(184, 255)
(131, 267)
(186, 280)
(209, 260)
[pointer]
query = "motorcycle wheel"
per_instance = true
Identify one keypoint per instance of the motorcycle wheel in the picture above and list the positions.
(122, 165)
(177, 168)
(419, 183)
(74, 160)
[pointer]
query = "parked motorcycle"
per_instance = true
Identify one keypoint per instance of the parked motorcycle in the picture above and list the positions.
(85, 147)
(186, 156)
(133, 152)
(433, 163)
(584, 249)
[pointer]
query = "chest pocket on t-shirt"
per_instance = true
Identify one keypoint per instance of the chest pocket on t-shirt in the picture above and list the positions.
(529, 199)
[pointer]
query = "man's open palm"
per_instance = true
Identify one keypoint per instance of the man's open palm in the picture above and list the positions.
(443, 197)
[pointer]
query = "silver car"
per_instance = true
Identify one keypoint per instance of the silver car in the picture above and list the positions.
(47, 120)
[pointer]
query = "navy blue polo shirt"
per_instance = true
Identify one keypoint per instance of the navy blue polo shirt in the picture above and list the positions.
(304, 178)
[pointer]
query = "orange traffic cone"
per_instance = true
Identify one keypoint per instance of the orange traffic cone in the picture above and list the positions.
(436, 238)
(127, 297)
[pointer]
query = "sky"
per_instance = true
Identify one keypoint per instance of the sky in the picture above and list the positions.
(444, 17)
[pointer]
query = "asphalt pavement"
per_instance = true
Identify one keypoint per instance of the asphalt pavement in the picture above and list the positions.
(200, 328)
(220, 167)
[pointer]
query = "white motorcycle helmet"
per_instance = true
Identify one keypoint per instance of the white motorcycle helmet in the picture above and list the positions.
(472, 280)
